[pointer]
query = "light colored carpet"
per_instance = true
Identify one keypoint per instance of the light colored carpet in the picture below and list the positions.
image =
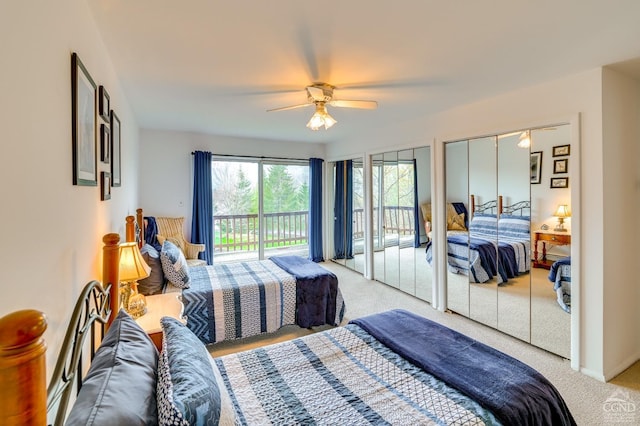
(586, 397)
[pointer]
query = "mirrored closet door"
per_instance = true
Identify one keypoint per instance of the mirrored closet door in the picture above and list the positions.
(508, 266)
(401, 183)
(348, 214)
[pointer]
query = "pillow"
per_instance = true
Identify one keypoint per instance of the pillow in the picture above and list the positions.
(179, 242)
(514, 226)
(426, 211)
(120, 387)
(155, 282)
(174, 265)
(190, 387)
(455, 221)
(484, 224)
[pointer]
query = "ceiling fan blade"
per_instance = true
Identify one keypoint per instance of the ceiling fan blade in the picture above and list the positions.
(289, 107)
(354, 104)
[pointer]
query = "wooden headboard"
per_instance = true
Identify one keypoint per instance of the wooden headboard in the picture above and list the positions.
(25, 398)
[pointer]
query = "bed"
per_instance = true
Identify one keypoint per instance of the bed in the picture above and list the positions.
(477, 254)
(394, 367)
(560, 276)
(244, 299)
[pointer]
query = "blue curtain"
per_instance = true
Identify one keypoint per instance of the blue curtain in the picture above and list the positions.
(202, 216)
(416, 212)
(315, 210)
(343, 211)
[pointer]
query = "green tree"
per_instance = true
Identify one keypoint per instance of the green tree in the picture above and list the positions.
(279, 190)
(302, 199)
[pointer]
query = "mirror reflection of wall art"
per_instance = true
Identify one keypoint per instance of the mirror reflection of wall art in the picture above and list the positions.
(560, 182)
(561, 150)
(561, 166)
(105, 144)
(83, 124)
(536, 166)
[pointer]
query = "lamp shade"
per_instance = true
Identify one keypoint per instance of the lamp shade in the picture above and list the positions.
(562, 211)
(132, 265)
(524, 141)
(321, 118)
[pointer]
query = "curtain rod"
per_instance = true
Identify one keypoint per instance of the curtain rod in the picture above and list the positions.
(258, 158)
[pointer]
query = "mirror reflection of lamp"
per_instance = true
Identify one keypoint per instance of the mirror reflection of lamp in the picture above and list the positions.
(561, 212)
(132, 268)
(525, 140)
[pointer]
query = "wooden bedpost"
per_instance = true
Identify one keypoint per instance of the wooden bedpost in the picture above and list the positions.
(110, 271)
(473, 207)
(130, 229)
(23, 386)
(499, 205)
(140, 221)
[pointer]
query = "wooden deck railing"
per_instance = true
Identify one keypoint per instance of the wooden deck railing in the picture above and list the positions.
(240, 232)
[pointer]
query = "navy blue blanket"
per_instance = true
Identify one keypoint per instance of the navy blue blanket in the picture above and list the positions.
(151, 233)
(316, 291)
(553, 271)
(515, 393)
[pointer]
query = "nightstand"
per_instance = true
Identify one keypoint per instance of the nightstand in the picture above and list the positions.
(158, 306)
(554, 238)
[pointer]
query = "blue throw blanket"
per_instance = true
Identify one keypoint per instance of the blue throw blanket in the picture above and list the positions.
(516, 393)
(316, 291)
(151, 233)
(553, 271)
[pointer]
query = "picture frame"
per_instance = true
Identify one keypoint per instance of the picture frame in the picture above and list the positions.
(561, 166)
(83, 125)
(105, 186)
(561, 150)
(116, 149)
(559, 182)
(105, 144)
(536, 167)
(104, 103)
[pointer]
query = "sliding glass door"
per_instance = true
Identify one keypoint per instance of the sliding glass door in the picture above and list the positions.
(261, 209)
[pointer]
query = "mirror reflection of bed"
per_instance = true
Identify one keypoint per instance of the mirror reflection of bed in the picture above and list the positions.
(525, 305)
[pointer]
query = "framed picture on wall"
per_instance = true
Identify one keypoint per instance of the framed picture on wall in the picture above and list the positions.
(562, 182)
(536, 166)
(105, 143)
(561, 150)
(105, 186)
(104, 103)
(561, 166)
(115, 150)
(83, 124)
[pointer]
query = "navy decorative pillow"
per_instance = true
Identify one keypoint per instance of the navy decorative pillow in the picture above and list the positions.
(190, 388)
(174, 265)
(154, 283)
(120, 387)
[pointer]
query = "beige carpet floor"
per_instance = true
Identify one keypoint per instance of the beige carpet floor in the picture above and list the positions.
(587, 398)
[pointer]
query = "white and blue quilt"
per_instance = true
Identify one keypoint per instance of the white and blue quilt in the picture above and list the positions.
(392, 368)
(238, 300)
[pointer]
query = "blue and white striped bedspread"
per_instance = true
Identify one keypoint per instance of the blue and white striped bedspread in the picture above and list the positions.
(232, 301)
(338, 377)
(476, 257)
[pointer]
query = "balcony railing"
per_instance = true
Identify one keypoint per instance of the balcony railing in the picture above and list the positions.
(241, 232)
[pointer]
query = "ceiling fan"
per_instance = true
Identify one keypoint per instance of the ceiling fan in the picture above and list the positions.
(321, 95)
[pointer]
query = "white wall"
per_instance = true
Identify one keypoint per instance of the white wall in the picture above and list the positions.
(621, 132)
(52, 229)
(166, 165)
(552, 103)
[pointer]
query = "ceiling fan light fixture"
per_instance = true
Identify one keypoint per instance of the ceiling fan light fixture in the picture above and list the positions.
(525, 140)
(321, 118)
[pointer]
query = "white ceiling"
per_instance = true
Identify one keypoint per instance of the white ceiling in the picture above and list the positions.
(216, 66)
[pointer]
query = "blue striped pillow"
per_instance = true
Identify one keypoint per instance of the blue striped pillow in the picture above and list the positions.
(484, 225)
(514, 226)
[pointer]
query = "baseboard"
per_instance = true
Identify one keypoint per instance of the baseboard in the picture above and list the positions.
(622, 366)
(595, 375)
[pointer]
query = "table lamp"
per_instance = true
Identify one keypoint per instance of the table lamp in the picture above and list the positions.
(561, 212)
(132, 268)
